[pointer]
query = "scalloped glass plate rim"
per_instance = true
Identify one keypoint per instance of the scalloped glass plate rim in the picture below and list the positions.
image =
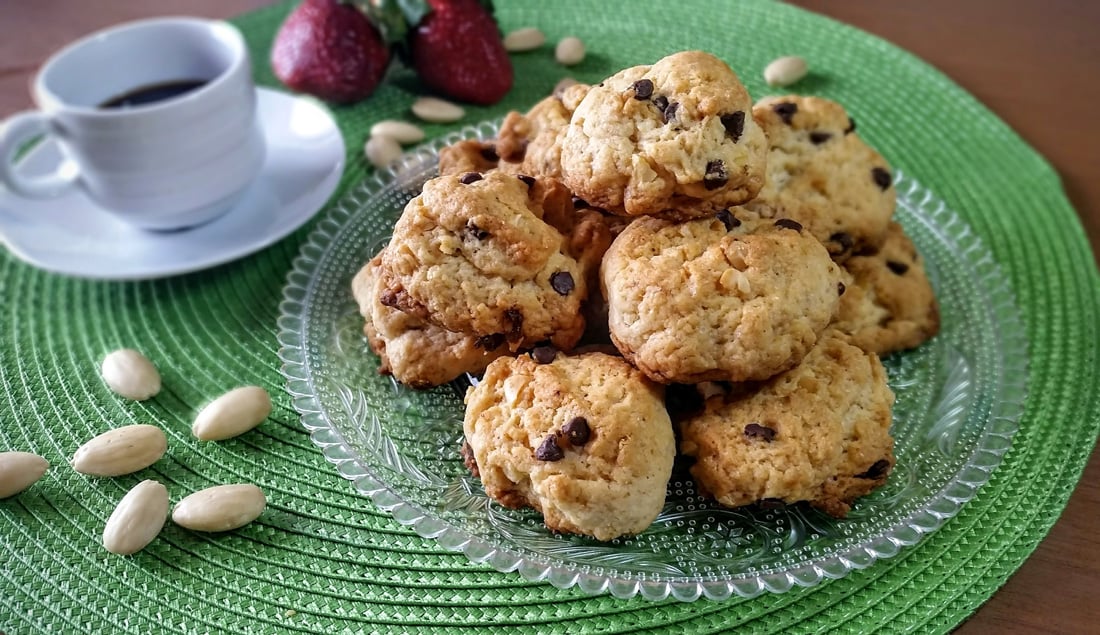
(945, 504)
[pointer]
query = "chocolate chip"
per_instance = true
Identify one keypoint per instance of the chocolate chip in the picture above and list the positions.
(787, 223)
(771, 503)
(515, 320)
(715, 175)
(897, 267)
(562, 282)
(851, 126)
(877, 470)
(548, 450)
(735, 124)
(544, 354)
(844, 239)
(728, 219)
(473, 231)
(529, 180)
(470, 177)
(661, 102)
(489, 342)
(760, 432)
(817, 137)
(669, 112)
(489, 153)
(577, 431)
(643, 89)
(882, 178)
(840, 288)
(785, 110)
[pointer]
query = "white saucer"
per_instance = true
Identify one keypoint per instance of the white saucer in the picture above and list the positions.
(72, 235)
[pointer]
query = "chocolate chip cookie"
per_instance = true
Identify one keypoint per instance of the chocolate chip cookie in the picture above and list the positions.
(821, 174)
(888, 304)
(819, 432)
(415, 352)
(677, 137)
(531, 143)
(473, 254)
(716, 298)
(584, 440)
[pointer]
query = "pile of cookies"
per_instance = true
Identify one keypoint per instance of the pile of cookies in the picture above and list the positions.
(653, 262)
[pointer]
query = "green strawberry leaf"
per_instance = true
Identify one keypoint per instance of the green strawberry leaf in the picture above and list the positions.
(386, 16)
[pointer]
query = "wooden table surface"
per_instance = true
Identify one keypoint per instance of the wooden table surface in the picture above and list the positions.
(1033, 62)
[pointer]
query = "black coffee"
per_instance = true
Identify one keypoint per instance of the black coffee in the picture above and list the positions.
(153, 93)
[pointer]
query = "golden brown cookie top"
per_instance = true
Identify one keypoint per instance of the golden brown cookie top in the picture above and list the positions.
(889, 304)
(677, 135)
(472, 253)
(821, 174)
(530, 143)
(583, 439)
(716, 298)
(415, 352)
(799, 435)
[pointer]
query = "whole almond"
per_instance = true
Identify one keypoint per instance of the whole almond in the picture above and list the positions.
(785, 71)
(137, 519)
(130, 374)
(19, 470)
(220, 508)
(525, 39)
(232, 414)
(437, 110)
(569, 51)
(382, 151)
(121, 451)
(402, 132)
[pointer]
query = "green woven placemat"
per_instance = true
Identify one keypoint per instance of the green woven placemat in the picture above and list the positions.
(322, 559)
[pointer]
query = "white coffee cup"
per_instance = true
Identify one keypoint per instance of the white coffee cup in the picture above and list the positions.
(168, 164)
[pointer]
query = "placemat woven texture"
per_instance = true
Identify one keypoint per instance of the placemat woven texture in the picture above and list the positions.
(322, 559)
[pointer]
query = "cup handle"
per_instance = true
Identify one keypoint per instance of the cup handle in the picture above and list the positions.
(14, 133)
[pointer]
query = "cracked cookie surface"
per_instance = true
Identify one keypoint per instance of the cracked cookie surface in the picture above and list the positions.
(819, 432)
(584, 440)
(821, 174)
(474, 253)
(415, 352)
(715, 299)
(888, 304)
(677, 137)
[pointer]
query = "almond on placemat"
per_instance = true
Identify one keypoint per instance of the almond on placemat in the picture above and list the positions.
(121, 451)
(232, 414)
(137, 519)
(20, 470)
(220, 508)
(130, 374)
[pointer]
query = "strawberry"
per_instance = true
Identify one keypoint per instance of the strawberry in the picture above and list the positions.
(456, 49)
(330, 50)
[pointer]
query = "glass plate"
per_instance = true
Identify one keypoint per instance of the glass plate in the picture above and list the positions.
(959, 399)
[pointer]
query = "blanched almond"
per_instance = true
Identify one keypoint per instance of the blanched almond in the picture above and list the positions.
(130, 374)
(20, 470)
(382, 151)
(121, 451)
(402, 132)
(220, 508)
(437, 110)
(232, 414)
(525, 39)
(785, 71)
(569, 51)
(137, 519)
